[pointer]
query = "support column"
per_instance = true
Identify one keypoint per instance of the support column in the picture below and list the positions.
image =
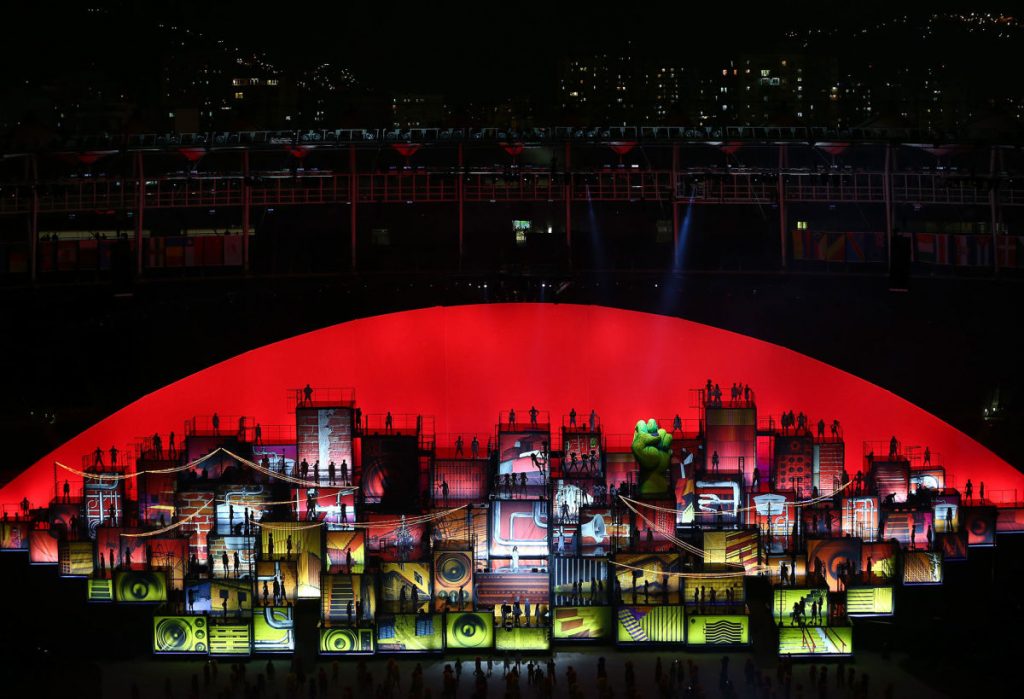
(675, 206)
(781, 193)
(568, 201)
(246, 200)
(33, 216)
(460, 180)
(140, 206)
(993, 205)
(353, 185)
(887, 193)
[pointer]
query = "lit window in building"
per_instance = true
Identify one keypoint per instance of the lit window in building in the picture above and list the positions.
(239, 95)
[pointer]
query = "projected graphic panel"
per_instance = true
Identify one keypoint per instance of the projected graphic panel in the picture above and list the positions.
(140, 586)
(395, 539)
(869, 601)
(732, 547)
(469, 631)
(879, 560)
(180, 635)
(732, 432)
(398, 633)
(822, 522)
(946, 513)
(718, 630)
(280, 458)
(822, 640)
(794, 464)
(453, 578)
(466, 481)
(344, 640)
(346, 551)
(800, 607)
(587, 449)
(922, 568)
(42, 548)
(76, 559)
(273, 630)
(892, 480)
(596, 531)
(1009, 520)
(237, 504)
(927, 478)
(405, 587)
(521, 638)
(519, 524)
(324, 435)
(230, 639)
(860, 516)
(773, 514)
(712, 593)
(296, 541)
(220, 597)
(647, 578)
(332, 505)
(14, 536)
(99, 590)
(830, 460)
(656, 524)
(836, 556)
(348, 598)
(908, 528)
(582, 623)
(646, 624)
(516, 452)
(121, 551)
(980, 523)
(170, 554)
(388, 464)
(156, 497)
(579, 580)
(103, 499)
(953, 545)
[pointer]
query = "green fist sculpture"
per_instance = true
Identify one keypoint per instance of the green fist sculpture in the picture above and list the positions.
(652, 447)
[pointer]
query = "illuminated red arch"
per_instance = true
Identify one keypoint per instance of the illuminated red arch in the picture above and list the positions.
(465, 364)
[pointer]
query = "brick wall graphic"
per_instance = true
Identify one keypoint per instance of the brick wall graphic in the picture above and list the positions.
(324, 434)
(198, 503)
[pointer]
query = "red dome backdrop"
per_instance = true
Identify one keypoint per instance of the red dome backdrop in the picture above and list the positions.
(464, 364)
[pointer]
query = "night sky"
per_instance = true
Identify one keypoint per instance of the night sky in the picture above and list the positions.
(460, 50)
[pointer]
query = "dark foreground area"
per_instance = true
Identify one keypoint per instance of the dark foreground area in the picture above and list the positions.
(954, 640)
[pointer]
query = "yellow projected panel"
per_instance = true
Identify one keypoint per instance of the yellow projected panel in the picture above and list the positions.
(718, 630)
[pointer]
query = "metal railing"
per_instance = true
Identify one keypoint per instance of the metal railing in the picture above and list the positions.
(322, 397)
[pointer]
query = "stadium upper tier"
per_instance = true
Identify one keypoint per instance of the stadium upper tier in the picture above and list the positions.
(530, 136)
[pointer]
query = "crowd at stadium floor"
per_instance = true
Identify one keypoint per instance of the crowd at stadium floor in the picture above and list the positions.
(508, 676)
